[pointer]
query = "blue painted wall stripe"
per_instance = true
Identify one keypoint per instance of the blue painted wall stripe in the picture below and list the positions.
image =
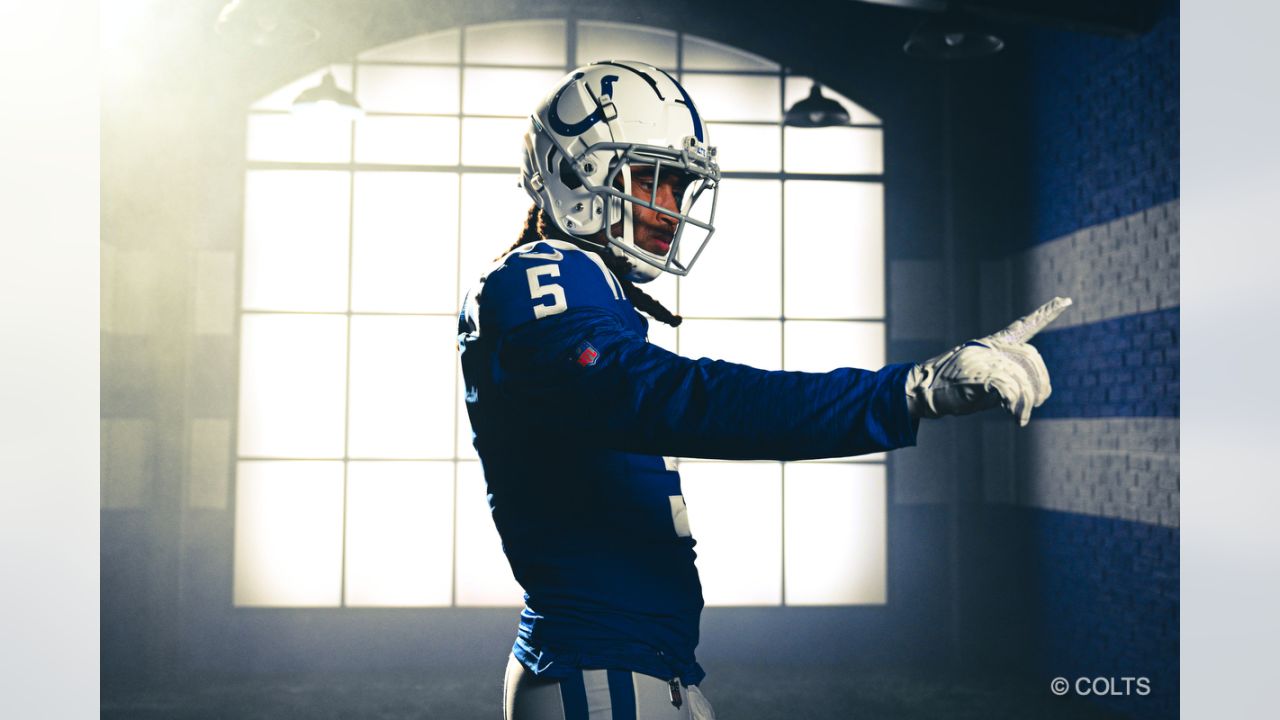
(1105, 125)
(1106, 591)
(1121, 367)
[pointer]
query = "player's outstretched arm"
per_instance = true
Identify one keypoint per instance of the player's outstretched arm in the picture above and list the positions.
(999, 370)
(583, 374)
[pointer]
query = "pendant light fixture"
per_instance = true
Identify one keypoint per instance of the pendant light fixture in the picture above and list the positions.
(953, 35)
(816, 111)
(328, 100)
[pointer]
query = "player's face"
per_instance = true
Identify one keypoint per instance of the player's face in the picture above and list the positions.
(654, 230)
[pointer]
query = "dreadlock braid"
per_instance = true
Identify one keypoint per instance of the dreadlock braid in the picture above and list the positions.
(538, 227)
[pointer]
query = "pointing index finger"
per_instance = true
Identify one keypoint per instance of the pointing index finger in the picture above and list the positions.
(1025, 328)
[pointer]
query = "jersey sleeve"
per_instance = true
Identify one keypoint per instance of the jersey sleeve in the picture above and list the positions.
(587, 378)
(543, 280)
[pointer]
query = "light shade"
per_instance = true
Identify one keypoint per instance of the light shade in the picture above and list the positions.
(328, 99)
(816, 111)
(951, 37)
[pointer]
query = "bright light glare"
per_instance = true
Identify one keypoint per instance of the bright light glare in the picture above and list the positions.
(328, 112)
(292, 377)
(735, 97)
(735, 514)
(289, 138)
(487, 141)
(494, 208)
(401, 397)
(853, 150)
(399, 534)
(490, 91)
(746, 147)
(738, 274)
(295, 245)
(835, 534)
(757, 343)
(288, 536)
(484, 576)
(835, 256)
(819, 346)
(662, 335)
(394, 140)
(407, 89)
(405, 250)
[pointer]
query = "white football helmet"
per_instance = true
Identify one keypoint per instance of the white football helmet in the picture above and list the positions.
(585, 136)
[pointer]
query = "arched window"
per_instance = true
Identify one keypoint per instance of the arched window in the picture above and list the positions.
(356, 482)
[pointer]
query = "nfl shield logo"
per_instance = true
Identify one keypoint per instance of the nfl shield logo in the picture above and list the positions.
(587, 355)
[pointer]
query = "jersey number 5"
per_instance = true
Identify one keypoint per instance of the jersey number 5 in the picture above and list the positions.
(538, 291)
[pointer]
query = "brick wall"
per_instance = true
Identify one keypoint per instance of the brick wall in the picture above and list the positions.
(1089, 491)
(1105, 114)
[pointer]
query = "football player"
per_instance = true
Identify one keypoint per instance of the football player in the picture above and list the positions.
(574, 413)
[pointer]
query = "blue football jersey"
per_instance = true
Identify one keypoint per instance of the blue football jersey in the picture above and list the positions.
(572, 412)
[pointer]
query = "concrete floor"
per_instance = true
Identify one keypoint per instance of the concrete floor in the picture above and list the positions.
(738, 693)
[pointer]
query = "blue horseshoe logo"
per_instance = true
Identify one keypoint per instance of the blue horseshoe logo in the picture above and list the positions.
(570, 129)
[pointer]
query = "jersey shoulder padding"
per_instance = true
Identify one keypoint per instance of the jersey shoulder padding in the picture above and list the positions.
(542, 279)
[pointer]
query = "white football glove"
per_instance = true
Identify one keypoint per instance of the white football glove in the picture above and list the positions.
(699, 706)
(999, 370)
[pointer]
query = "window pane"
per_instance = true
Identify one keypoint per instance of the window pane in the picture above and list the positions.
(494, 208)
(406, 242)
(735, 514)
(663, 287)
(493, 141)
(517, 43)
(484, 576)
(402, 371)
(407, 89)
(283, 97)
(491, 91)
(662, 335)
(835, 249)
(835, 534)
(289, 138)
(735, 97)
(819, 346)
(701, 54)
(619, 41)
(834, 150)
(799, 87)
(757, 343)
(292, 381)
(739, 273)
(747, 147)
(288, 534)
(399, 534)
(435, 47)
(295, 240)
(395, 140)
